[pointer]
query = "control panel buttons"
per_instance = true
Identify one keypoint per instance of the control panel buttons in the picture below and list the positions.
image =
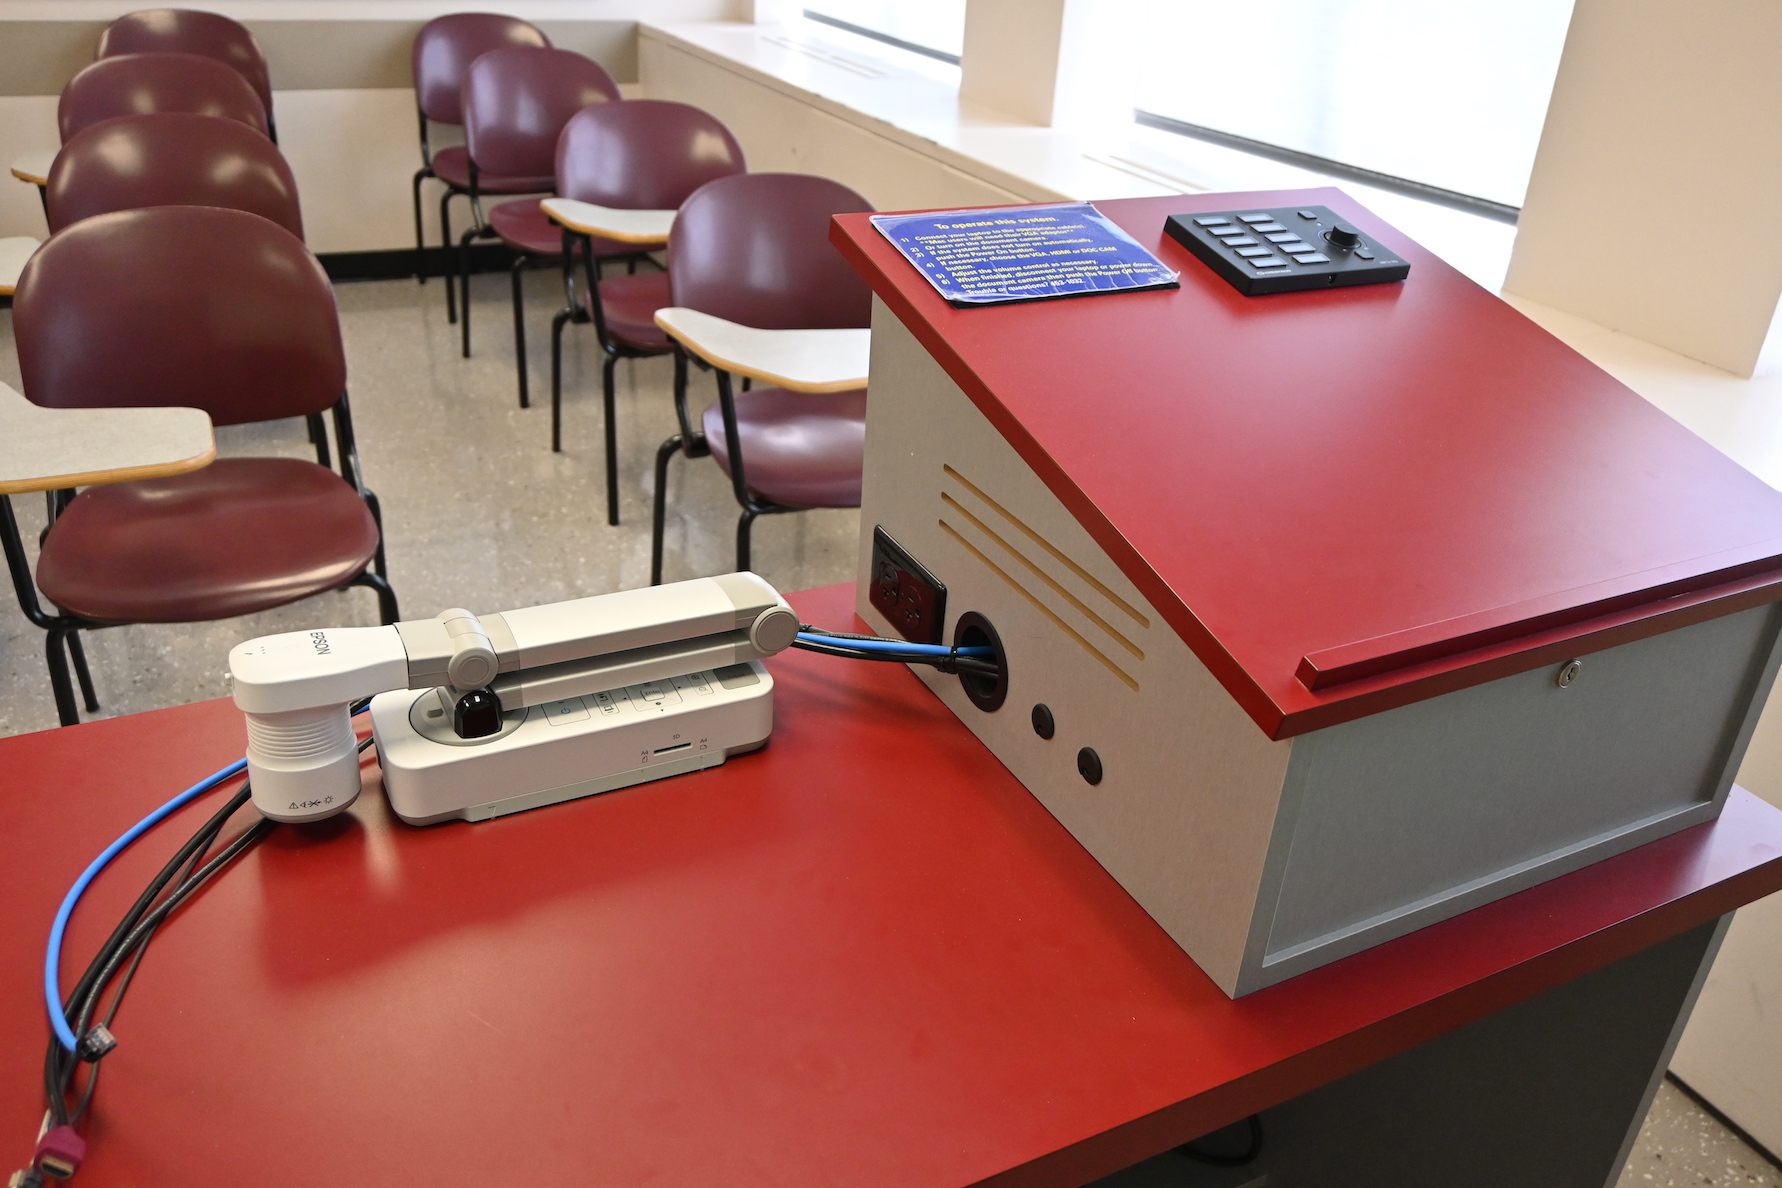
(1256, 253)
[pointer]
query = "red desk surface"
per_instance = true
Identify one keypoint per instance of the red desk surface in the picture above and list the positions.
(1410, 482)
(864, 956)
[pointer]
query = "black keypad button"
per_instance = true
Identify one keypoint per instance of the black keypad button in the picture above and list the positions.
(1363, 254)
(1271, 226)
(1309, 214)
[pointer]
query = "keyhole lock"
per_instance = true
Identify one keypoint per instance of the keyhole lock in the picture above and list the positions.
(1569, 673)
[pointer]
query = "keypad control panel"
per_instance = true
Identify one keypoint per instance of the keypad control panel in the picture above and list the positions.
(1285, 250)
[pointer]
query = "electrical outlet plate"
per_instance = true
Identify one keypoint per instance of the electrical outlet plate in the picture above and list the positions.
(909, 597)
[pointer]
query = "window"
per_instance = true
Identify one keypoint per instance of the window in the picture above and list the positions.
(1450, 95)
(935, 28)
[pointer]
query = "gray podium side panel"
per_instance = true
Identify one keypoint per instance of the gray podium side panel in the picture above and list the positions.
(1183, 815)
(1394, 821)
(1549, 1093)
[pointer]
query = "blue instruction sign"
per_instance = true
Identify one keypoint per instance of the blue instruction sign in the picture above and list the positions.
(1023, 253)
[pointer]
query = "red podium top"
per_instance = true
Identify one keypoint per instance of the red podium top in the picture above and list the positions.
(863, 956)
(1350, 499)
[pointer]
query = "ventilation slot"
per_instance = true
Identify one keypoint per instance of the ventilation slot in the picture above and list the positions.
(1014, 552)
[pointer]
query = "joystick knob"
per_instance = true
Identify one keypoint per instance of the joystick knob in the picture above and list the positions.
(1343, 235)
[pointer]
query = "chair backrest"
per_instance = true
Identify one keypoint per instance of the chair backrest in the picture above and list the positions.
(643, 154)
(188, 31)
(516, 101)
(754, 248)
(171, 159)
(446, 46)
(179, 305)
(141, 84)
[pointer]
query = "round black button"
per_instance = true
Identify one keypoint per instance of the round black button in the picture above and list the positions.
(1343, 235)
(1089, 765)
(1042, 721)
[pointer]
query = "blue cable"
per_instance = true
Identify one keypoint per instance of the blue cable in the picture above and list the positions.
(52, 962)
(892, 645)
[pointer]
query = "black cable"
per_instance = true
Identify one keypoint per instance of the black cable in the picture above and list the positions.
(962, 664)
(131, 938)
(60, 1063)
(1248, 1155)
(117, 998)
(160, 912)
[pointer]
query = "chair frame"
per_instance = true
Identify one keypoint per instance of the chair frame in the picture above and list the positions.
(578, 313)
(693, 444)
(524, 262)
(63, 629)
(445, 217)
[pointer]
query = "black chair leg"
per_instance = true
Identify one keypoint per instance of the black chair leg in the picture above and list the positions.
(377, 516)
(78, 653)
(744, 523)
(66, 709)
(386, 597)
(520, 330)
(608, 383)
(659, 515)
(445, 244)
(563, 318)
(420, 240)
(464, 287)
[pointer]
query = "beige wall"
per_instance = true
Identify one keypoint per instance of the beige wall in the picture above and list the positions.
(780, 132)
(1660, 149)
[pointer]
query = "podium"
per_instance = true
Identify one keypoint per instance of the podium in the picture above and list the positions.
(1326, 615)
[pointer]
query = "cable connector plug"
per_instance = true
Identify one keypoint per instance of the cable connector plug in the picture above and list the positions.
(60, 1151)
(96, 1043)
(28, 1178)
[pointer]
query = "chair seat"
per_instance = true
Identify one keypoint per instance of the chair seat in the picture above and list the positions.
(525, 227)
(801, 449)
(241, 535)
(452, 166)
(630, 304)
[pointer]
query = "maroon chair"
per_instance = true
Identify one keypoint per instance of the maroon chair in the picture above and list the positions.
(516, 101)
(637, 154)
(172, 159)
(188, 31)
(755, 249)
(443, 51)
(144, 84)
(213, 309)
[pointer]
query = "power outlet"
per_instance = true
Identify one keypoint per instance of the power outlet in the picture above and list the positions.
(909, 597)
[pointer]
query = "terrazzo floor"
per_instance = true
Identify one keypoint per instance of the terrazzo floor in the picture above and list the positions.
(479, 513)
